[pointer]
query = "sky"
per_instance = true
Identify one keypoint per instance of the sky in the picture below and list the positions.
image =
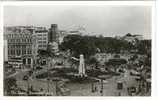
(76, 0)
(114, 20)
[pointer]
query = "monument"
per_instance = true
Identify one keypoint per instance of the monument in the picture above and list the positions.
(81, 69)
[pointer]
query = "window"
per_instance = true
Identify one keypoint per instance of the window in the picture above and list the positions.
(18, 52)
(22, 40)
(29, 52)
(39, 45)
(24, 61)
(8, 52)
(29, 61)
(13, 51)
(39, 41)
(8, 36)
(39, 34)
(28, 40)
(23, 51)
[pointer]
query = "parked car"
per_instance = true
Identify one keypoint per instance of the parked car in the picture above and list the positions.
(134, 73)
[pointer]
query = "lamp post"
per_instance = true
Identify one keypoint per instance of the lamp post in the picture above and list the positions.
(56, 87)
(47, 79)
(102, 78)
(101, 91)
(26, 78)
(50, 54)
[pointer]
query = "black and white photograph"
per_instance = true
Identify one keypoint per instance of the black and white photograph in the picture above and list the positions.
(77, 50)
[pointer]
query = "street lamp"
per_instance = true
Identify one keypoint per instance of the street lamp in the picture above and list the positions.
(26, 78)
(56, 80)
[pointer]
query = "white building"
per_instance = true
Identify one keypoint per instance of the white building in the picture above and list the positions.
(42, 38)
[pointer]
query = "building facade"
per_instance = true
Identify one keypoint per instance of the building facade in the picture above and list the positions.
(42, 38)
(53, 33)
(20, 43)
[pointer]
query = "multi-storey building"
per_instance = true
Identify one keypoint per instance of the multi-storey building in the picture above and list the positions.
(42, 38)
(53, 33)
(20, 43)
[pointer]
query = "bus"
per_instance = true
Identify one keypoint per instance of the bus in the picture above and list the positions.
(16, 62)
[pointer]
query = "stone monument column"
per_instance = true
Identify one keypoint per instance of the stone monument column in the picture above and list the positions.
(82, 66)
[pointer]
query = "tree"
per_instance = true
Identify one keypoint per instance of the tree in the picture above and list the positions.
(128, 34)
(116, 62)
(144, 46)
(93, 61)
(42, 53)
(10, 86)
(78, 45)
(89, 45)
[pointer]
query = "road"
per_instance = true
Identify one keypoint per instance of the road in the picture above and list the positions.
(18, 73)
(79, 89)
(109, 88)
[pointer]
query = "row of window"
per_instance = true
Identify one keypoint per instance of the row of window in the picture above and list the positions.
(23, 35)
(40, 46)
(42, 34)
(19, 52)
(19, 40)
(27, 62)
(44, 38)
(42, 41)
(19, 46)
(19, 36)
